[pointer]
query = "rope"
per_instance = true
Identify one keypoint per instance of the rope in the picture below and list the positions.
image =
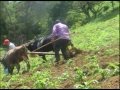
(47, 44)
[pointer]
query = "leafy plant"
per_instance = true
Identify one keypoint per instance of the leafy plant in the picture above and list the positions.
(64, 76)
(43, 80)
(70, 63)
(79, 75)
(4, 85)
(40, 79)
(86, 85)
(92, 59)
(114, 68)
(105, 73)
(109, 52)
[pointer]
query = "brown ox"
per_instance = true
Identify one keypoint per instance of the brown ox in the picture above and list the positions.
(13, 57)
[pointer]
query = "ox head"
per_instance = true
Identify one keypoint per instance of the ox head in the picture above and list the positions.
(35, 44)
(32, 45)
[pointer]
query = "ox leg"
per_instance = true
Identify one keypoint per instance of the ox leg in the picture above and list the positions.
(10, 69)
(18, 67)
(44, 58)
(28, 65)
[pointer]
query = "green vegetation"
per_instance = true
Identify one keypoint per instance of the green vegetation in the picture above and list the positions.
(96, 33)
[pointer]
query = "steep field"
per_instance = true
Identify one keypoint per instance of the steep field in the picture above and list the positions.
(97, 66)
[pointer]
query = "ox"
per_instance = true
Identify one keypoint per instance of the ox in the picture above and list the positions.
(37, 43)
(13, 57)
(40, 42)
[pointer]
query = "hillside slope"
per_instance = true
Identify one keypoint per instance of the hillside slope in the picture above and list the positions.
(97, 66)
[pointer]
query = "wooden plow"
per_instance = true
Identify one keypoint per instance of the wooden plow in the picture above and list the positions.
(43, 53)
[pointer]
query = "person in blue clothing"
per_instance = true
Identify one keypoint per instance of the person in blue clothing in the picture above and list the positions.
(10, 45)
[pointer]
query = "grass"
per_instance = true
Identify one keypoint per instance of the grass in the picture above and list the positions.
(95, 35)
(100, 33)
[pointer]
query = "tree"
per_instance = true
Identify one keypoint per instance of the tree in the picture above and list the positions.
(59, 11)
(3, 27)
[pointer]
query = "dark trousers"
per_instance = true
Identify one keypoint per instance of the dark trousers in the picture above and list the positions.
(61, 44)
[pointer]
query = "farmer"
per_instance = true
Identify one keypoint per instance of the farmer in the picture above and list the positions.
(10, 46)
(61, 31)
